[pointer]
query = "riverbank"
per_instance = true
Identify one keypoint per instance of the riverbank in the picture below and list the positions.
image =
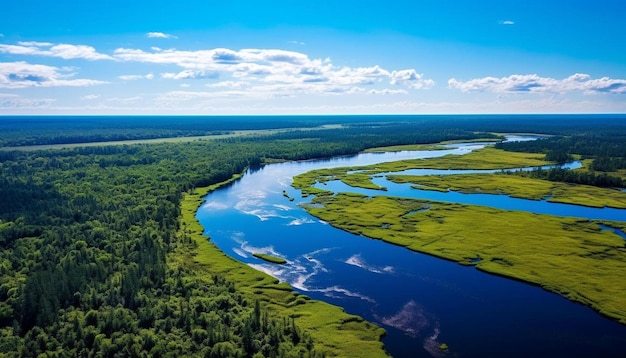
(334, 332)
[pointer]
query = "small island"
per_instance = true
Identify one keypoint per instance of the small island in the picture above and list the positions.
(286, 195)
(270, 258)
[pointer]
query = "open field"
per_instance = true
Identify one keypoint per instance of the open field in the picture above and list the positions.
(574, 258)
(334, 332)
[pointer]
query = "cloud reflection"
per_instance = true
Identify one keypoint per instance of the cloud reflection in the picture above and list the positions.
(300, 271)
(301, 221)
(215, 205)
(358, 261)
(413, 320)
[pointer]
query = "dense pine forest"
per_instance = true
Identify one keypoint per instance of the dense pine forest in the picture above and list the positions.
(87, 233)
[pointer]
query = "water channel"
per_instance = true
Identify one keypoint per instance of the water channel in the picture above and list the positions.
(420, 300)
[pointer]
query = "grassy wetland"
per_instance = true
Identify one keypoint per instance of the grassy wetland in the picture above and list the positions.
(518, 186)
(487, 158)
(270, 258)
(575, 258)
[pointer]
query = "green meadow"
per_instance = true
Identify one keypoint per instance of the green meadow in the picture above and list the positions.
(518, 186)
(574, 258)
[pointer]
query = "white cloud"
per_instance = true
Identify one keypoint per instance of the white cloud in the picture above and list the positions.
(387, 91)
(90, 97)
(229, 84)
(160, 35)
(22, 75)
(12, 101)
(190, 74)
(125, 99)
(276, 72)
(64, 51)
(535, 84)
(507, 22)
(297, 43)
(149, 76)
(411, 78)
(34, 44)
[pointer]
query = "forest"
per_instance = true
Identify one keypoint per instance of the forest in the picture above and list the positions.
(88, 233)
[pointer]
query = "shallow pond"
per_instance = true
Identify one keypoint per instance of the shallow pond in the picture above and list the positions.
(420, 300)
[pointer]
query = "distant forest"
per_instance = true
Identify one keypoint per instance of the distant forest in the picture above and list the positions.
(86, 233)
(44, 130)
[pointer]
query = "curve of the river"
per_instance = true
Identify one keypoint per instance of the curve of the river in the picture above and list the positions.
(422, 301)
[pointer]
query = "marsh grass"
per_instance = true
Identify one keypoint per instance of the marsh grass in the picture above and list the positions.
(574, 258)
(485, 158)
(334, 331)
(520, 187)
(360, 176)
(270, 258)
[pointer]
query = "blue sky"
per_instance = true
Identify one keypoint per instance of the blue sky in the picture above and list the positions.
(289, 57)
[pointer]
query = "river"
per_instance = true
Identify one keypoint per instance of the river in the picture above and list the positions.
(420, 300)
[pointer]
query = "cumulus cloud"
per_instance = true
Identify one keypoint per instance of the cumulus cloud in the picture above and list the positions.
(387, 91)
(229, 84)
(507, 22)
(536, 84)
(411, 78)
(190, 75)
(160, 35)
(278, 72)
(149, 76)
(22, 75)
(297, 43)
(64, 51)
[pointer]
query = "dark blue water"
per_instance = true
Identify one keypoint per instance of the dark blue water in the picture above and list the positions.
(421, 301)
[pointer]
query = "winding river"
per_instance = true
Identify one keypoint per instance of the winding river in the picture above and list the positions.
(420, 300)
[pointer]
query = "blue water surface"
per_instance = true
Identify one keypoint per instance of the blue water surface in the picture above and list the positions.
(420, 300)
